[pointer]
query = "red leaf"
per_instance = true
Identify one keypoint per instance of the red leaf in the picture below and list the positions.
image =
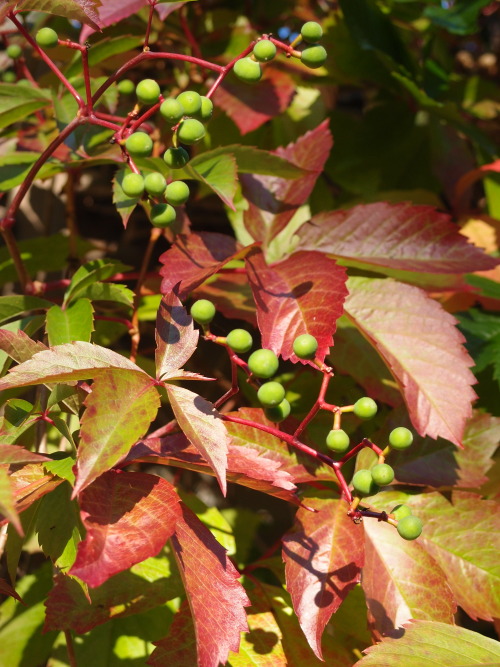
(30, 483)
(176, 337)
(12, 454)
(423, 349)
(203, 427)
(274, 201)
(252, 106)
(178, 649)
(233, 296)
(216, 598)
(118, 412)
(6, 589)
(395, 236)
(302, 294)
(128, 517)
(18, 345)
(323, 559)
(7, 501)
(194, 258)
(402, 581)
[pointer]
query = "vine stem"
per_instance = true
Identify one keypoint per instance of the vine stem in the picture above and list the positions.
(70, 647)
(152, 5)
(13, 248)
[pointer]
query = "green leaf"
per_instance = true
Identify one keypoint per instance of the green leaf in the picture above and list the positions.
(61, 464)
(436, 644)
(214, 520)
(14, 168)
(13, 305)
(18, 102)
(15, 421)
(460, 19)
(252, 160)
(110, 46)
(487, 287)
(90, 273)
(70, 324)
(218, 172)
(124, 204)
(109, 292)
(84, 11)
(58, 526)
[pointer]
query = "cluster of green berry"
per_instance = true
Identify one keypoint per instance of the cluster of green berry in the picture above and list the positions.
(186, 113)
(249, 68)
(13, 51)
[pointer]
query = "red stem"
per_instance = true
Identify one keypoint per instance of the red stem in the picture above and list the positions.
(148, 28)
(189, 35)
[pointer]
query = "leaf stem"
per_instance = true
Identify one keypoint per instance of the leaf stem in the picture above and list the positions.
(70, 647)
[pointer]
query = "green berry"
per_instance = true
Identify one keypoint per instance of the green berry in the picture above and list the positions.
(410, 527)
(9, 77)
(147, 91)
(133, 185)
(263, 363)
(155, 184)
(162, 215)
(203, 311)
(271, 394)
(363, 483)
(139, 144)
(176, 158)
(171, 110)
(311, 32)
(177, 193)
(207, 107)
(313, 56)
(190, 102)
(338, 441)
(365, 408)
(247, 70)
(264, 50)
(47, 38)
(279, 412)
(190, 131)
(382, 474)
(14, 51)
(126, 87)
(400, 438)
(400, 511)
(239, 340)
(305, 346)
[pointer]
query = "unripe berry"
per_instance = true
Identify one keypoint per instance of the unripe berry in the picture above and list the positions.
(313, 56)
(365, 408)
(400, 511)
(264, 50)
(9, 77)
(190, 102)
(177, 193)
(14, 51)
(203, 311)
(190, 131)
(171, 110)
(311, 32)
(270, 394)
(247, 70)
(176, 158)
(363, 483)
(263, 363)
(382, 474)
(139, 144)
(126, 87)
(162, 215)
(239, 340)
(305, 346)
(133, 185)
(400, 438)
(155, 184)
(410, 527)
(148, 91)
(47, 38)
(279, 412)
(207, 107)
(338, 441)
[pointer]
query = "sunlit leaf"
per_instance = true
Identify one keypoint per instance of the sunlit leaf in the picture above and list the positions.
(176, 337)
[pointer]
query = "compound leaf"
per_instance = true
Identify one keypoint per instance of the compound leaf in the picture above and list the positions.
(176, 337)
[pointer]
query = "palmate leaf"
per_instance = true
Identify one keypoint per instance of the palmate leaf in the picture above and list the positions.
(436, 644)
(421, 346)
(402, 581)
(395, 236)
(128, 517)
(302, 294)
(176, 337)
(85, 11)
(17, 102)
(218, 172)
(118, 412)
(323, 557)
(203, 427)
(76, 322)
(18, 345)
(16, 305)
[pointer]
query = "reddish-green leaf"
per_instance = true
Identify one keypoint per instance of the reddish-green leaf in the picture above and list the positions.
(396, 236)
(303, 294)
(66, 363)
(178, 649)
(128, 517)
(401, 581)
(176, 337)
(463, 536)
(216, 598)
(274, 201)
(84, 11)
(118, 412)
(7, 500)
(436, 644)
(18, 345)
(233, 296)
(323, 559)
(12, 454)
(203, 427)
(194, 258)
(422, 347)
(75, 322)
(6, 589)
(30, 483)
